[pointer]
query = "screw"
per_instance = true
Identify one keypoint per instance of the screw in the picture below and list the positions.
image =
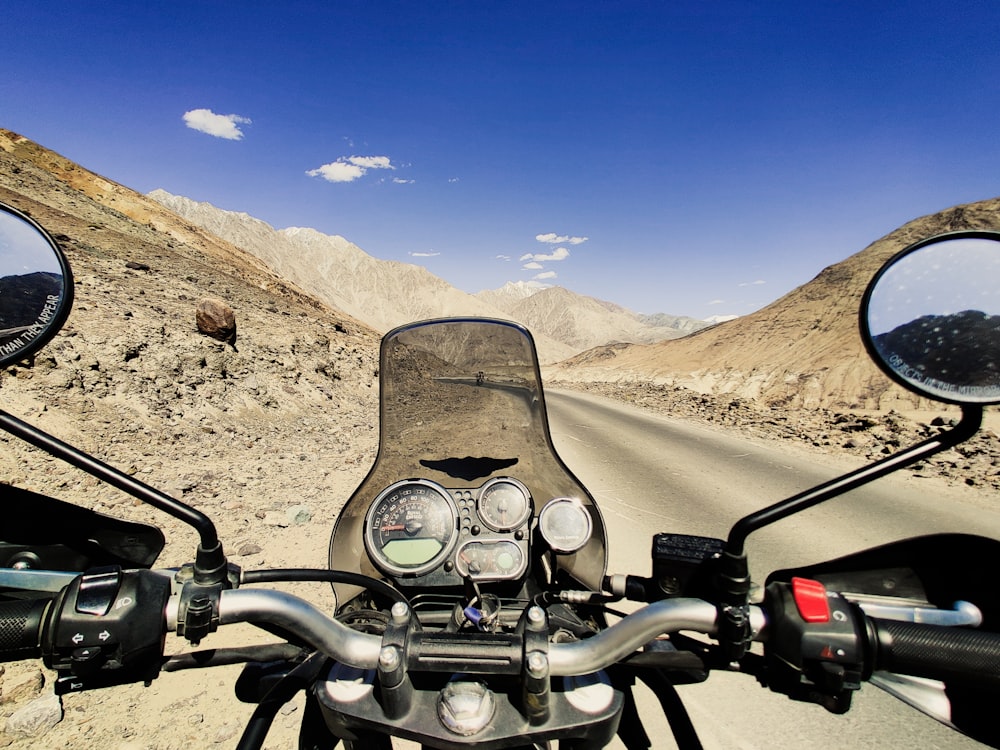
(388, 658)
(536, 616)
(538, 664)
(400, 613)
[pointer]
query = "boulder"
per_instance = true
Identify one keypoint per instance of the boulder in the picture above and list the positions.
(216, 319)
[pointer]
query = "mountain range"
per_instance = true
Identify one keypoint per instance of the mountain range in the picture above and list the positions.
(801, 351)
(384, 294)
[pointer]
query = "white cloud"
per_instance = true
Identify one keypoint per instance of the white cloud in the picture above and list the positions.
(370, 162)
(350, 168)
(758, 282)
(717, 302)
(532, 266)
(544, 275)
(560, 253)
(558, 239)
(220, 126)
(424, 255)
(401, 181)
(337, 171)
(503, 257)
(452, 179)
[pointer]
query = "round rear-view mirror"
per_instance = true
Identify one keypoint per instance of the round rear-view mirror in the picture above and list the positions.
(36, 286)
(931, 317)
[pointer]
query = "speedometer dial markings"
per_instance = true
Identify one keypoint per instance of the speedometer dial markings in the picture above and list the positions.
(411, 527)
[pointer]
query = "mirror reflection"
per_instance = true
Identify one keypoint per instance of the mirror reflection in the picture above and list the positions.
(932, 318)
(35, 286)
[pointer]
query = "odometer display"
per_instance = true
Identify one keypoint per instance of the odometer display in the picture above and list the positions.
(411, 527)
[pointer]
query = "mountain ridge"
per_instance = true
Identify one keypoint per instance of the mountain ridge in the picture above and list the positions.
(386, 293)
(801, 351)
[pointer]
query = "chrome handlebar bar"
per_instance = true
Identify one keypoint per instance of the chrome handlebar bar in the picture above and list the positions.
(361, 650)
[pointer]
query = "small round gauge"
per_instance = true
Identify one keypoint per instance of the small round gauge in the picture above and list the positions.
(565, 524)
(411, 527)
(504, 504)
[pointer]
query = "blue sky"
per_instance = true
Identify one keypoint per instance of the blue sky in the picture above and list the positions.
(694, 158)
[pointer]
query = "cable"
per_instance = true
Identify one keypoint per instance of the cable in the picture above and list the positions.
(328, 576)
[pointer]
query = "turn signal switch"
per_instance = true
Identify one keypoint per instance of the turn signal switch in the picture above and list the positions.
(107, 628)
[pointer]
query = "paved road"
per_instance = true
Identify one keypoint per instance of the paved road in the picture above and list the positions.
(650, 474)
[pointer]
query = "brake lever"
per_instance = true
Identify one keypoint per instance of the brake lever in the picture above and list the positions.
(963, 613)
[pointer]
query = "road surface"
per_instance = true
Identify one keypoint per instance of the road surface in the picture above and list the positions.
(649, 474)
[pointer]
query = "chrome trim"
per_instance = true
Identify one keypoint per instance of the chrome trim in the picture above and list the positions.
(302, 619)
(632, 632)
(35, 580)
(636, 630)
(962, 614)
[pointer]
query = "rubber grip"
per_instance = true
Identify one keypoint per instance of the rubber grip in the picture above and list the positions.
(21, 628)
(954, 655)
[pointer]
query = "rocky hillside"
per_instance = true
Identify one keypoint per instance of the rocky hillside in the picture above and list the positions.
(131, 370)
(801, 351)
(268, 437)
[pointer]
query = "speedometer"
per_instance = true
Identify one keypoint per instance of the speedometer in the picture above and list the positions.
(411, 527)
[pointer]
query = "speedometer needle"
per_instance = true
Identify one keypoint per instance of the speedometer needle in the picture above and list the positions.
(396, 527)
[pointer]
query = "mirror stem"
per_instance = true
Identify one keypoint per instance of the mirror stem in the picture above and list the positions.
(972, 417)
(55, 447)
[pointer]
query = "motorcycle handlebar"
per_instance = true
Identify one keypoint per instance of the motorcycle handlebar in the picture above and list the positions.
(361, 650)
(931, 651)
(21, 622)
(637, 629)
(300, 618)
(935, 651)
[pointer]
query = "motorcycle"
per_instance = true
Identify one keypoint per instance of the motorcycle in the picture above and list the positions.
(474, 606)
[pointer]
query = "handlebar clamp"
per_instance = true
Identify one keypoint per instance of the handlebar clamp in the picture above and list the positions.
(198, 606)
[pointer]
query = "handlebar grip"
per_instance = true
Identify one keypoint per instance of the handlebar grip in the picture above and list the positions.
(954, 655)
(21, 627)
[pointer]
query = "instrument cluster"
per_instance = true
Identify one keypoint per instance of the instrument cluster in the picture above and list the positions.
(418, 529)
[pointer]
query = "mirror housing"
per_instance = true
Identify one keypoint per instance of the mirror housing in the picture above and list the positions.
(36, 286)
(930, 318)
